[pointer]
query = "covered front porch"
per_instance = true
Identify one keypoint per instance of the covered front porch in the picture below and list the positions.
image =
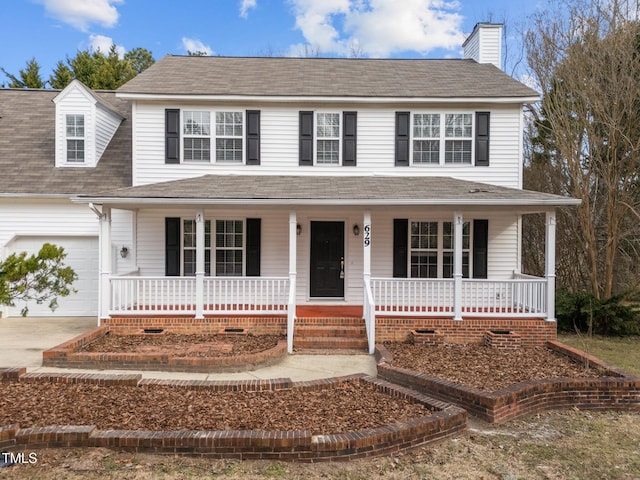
(380, 263)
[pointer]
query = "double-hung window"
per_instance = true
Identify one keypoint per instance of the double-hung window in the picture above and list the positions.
(229, 247)
(197, 136)
(426, 138)
(432, 245)
(458, 138)
(227, 134)
(442, 138)
(229, 137)
(75, 138)
(328, 138)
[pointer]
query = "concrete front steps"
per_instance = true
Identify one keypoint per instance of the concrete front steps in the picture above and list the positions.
(330, 336)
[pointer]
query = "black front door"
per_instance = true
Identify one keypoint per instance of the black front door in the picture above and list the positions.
(327, 259)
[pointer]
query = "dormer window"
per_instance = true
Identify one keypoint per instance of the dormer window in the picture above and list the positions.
(75, 138)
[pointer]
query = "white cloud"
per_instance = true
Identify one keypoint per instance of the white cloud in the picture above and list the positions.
(194, 45)
(82, 13)
(245, 6)
(379, 28)
(103, 44)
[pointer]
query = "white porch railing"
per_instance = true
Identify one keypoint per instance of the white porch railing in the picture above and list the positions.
(517, 297)
(152, 295)
(246, 295)
(413, 296)
(177, 295)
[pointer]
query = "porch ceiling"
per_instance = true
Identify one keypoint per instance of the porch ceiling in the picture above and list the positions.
(325, 190)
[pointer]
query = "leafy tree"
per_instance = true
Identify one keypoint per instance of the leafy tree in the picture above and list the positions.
(41, 278)
(29, 77)
(140, 59)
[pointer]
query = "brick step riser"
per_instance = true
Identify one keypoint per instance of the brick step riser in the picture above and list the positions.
(329, 322)
(354, 332)
(330, 343)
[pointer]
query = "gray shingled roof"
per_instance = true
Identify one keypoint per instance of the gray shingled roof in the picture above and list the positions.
(27, 150)
(325, 77)
(356, 190)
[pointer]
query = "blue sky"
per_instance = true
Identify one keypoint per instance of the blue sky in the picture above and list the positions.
(51, 30)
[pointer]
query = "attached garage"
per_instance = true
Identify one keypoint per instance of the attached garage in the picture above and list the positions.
(82, 256)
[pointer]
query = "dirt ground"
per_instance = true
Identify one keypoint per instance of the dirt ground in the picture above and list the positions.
(554, 445)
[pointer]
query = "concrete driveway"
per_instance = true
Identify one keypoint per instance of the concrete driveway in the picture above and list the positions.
(23, 339)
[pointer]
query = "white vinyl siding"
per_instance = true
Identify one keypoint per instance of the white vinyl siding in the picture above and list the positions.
(503, 240)
(100, 125)
(279, 145)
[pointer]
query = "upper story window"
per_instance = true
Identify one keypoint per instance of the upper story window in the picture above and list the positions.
(197, 132)
(442, 138)
(75, 138)
(328, 138)
(458, 136)
(197, 136)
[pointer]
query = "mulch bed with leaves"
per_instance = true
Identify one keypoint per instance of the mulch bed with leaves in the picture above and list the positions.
(345, 407)
(487, 369)
(179, 345)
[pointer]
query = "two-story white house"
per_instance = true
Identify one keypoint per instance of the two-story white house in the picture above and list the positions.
(271, 193)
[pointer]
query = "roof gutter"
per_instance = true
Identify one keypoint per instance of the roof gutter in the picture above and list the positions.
(324, 99)
(498, 202)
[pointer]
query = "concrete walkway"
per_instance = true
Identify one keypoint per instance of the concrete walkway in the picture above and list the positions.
(24, 339)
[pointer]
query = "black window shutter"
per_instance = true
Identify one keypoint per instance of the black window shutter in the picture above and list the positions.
(402, 138)
(172, 246)
(482, 139)
(306, 138)
(253, 137)
(480, 243)
(253, 247)
(349, 138)
(172, 135)
(400, 247)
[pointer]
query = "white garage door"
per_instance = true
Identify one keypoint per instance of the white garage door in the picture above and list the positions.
(82, 256)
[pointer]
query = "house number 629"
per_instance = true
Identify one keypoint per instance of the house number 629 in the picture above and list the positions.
(367, 235)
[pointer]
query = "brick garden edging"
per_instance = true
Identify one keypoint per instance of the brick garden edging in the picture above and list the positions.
(617, 391)
(445, 421)
(66, 355)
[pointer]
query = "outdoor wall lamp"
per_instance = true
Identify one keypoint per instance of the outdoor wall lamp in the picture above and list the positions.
(356, 230)
(124, 252)
(298, 229)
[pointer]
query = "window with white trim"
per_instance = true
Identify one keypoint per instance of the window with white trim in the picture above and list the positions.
(229, 247)
(197, 136)
(189, 247)
(75, 138)
(439, 139)
(431, 249)
(458, 138)
(327, 138)
(227, 135)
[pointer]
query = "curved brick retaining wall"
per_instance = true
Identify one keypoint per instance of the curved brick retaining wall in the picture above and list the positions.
(446, 420)
(617, 391)
(66, 355)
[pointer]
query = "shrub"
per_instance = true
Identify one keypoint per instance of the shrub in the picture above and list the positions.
(609, 316)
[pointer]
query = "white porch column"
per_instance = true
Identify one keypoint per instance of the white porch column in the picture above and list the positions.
(293, 260)
(550, 264)
(104, 292)
(457, 265)
(200, 267)
(366, 242)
